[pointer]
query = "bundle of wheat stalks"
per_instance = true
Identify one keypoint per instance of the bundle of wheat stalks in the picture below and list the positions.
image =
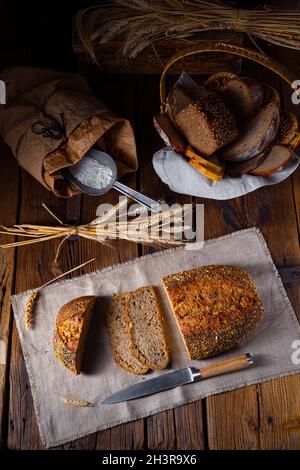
(161, 229)
(139, 23)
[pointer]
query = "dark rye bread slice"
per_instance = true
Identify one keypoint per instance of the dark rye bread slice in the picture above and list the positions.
(236, 169)
(277, 158)
(256, 136)
(147, 328)
(242, 95)
(118, 328)
(215, 307)
(202, 118)
(169, 133)
(269, 94)
(288, 127)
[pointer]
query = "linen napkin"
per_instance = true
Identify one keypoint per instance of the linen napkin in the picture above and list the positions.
(271, 344)
(174, 170)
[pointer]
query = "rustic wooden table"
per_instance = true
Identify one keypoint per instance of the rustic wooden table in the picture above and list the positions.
(263, 416)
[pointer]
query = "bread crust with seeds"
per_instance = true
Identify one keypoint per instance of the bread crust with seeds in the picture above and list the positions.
(202, 118)
(215, 307)
(72, 323)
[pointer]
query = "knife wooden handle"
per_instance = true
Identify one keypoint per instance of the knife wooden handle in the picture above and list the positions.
(229, 365)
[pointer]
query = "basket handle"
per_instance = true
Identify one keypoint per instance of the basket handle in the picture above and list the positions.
(209, 46)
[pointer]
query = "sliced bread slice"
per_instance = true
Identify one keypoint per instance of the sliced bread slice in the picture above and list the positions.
(236, 169)
(270, 94)
(243, 96)
(288, 128)
(118, 328)
(147, 328)
(278, 158)
(255, 136)
(169, 133)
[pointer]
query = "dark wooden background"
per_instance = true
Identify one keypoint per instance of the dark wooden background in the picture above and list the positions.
(263, 416)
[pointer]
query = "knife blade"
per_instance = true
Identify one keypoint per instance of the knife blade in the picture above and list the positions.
(178, 378)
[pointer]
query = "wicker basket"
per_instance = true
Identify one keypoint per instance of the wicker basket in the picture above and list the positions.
(288, 129)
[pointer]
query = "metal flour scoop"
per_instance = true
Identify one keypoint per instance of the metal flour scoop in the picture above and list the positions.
(96, 173)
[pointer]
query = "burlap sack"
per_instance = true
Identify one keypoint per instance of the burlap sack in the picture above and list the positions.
(51, 120)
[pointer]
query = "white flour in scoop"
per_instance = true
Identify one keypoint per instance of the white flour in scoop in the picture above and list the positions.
(91, 173)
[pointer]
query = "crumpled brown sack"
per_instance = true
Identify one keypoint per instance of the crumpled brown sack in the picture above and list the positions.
(36, 97)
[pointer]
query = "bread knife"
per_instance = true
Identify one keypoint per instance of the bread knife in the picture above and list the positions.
(180, 377)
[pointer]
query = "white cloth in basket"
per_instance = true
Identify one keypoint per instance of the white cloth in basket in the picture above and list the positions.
(174, 170)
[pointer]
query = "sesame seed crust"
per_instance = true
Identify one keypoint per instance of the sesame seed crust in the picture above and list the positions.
(215, 307)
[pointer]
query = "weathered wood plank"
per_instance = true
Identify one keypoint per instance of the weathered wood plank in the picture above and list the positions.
(188, 435)
(296, 188)
(161, 431)
(290, 58)
(273, 211)
(290, 275)
(151, 60)
(129, 436)
(282, 238)
(9, 179)
(73, 214)
(279, 400)
(33, 267)
(160, 427)
(225, 427)
(279, 408)
(120, 97)
(164, 430)
(233, 420)
(23, 431)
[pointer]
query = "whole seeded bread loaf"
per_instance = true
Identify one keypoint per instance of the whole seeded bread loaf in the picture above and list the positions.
(71, 329)
(215, 307)
(202, 118)
(118, 328)
(147, 328)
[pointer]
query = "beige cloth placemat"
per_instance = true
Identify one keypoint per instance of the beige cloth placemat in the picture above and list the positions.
(271, 345)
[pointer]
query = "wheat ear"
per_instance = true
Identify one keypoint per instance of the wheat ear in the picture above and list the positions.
(76, 403)
(29, 309)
